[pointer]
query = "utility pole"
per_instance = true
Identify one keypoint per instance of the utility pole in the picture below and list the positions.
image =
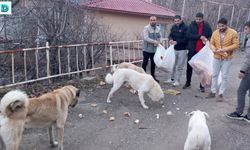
(183, 8)
(248, 19)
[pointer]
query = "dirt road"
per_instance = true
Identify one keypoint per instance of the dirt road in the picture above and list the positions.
(168, 132)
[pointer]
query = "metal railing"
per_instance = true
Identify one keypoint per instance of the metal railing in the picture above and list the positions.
(35, 64)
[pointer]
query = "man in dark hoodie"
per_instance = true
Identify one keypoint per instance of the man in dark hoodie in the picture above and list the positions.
(244, 75)
(199, 31)
(177, 37)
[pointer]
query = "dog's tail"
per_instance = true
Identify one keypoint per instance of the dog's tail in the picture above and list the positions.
(109, 78)
(14, 104)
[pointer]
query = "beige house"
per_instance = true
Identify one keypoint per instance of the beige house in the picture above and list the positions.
(127, 18)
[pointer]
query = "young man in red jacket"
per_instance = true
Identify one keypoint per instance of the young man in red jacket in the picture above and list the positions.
(198, 32)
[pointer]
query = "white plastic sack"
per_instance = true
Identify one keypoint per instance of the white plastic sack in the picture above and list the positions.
(159, 54)
(202, 64)
(165, 58)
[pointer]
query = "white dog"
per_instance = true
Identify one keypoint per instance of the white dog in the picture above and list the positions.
(13, 114)
(198, 134)
(143, 83)
(128, 66)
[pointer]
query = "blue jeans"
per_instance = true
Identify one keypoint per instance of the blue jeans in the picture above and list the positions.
(241, 94)
(180, 58)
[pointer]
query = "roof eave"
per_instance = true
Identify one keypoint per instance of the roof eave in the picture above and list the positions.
(127, 12)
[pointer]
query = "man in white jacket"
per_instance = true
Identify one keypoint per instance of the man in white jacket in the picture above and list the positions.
(152, 38)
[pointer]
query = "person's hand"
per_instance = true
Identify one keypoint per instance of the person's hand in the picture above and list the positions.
(241, 75)
(214, 51)
(220, 50)
(204, 39)
(171, 42)
(174, 42)
(156, 43)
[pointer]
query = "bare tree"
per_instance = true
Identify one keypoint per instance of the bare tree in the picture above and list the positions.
(59, 22)
(211, 10)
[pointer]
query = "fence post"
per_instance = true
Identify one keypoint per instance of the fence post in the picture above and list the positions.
(37, 69)
(48, 62)
(219, 12)
(203, 7)
(25, 65)
(13, 67)
(232, 16)
(248, 18)
(77, 61)
(110, 54)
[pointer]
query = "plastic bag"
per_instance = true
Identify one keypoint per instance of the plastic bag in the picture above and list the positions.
(165, 58)
(202, 64)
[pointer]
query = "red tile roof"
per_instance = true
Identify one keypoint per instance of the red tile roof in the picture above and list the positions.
(137, 7)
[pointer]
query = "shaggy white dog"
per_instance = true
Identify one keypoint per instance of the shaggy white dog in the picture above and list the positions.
(13, 113)
(198, 134)
(143, 83)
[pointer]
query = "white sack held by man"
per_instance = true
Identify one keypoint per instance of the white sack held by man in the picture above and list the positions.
(202, 64)
(165, 59)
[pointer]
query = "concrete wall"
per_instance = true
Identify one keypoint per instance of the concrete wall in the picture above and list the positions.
(128, 27)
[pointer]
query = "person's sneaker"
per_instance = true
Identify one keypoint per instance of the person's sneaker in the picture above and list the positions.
(220, 98)
(245, 118)
(235, 116)
(176, 83)
(186, 86)
(202, 89)
(169, 81)
(211, 95)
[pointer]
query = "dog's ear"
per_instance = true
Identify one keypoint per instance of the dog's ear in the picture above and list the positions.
(206, 114)
(78, 93)
(114, 68)
(15, 106)
(190, 114)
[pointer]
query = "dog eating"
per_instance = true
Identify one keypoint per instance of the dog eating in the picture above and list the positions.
(48, 110)
(143, 83)
(129, 66)
(198, 134)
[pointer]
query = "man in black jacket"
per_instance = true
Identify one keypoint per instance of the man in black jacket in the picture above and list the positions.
(198, 32)
(177, 37)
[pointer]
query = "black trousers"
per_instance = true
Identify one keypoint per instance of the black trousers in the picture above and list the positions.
(189, 71)
(146, 57)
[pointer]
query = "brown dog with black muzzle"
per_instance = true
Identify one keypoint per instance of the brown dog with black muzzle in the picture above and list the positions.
(48, 110)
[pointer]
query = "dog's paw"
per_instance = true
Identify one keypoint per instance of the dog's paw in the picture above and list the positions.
(108, 101)
(161, 102)
(54, 144)
(145, 107)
